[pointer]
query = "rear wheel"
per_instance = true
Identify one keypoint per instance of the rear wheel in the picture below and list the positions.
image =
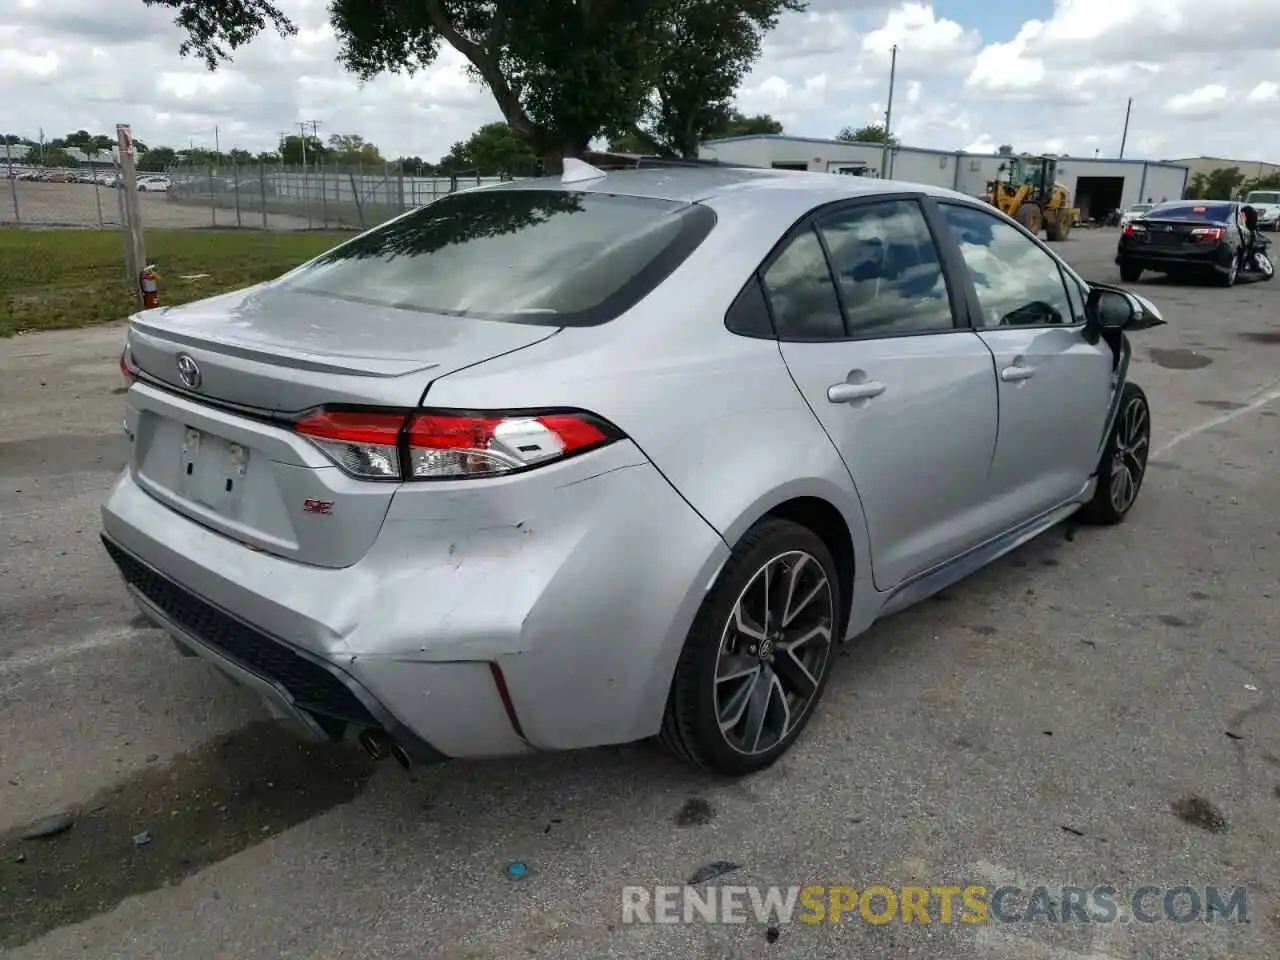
(1130, 272)
(1228, 277)
(1124, 461)
(758, 655)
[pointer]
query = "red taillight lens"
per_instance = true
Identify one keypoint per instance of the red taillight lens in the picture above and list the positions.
(127, 369)
(1131, 228)
(1207, 234)
(439, 445)
(445, 445)
(363, 443)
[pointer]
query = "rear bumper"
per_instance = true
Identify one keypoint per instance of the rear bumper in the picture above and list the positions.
(581, 598)
(1217, 258)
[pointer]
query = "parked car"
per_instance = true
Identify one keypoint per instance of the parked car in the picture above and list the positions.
(1267, 203)
(567, 462)
(1134, 212)
(153, 184)
(1184, 238)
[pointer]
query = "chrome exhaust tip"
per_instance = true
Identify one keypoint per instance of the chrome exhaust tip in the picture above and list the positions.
(401, 755)
(377, 744)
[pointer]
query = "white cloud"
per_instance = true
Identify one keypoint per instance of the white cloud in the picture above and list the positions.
(1202, 101)
(1266, 92)
(1204, 78)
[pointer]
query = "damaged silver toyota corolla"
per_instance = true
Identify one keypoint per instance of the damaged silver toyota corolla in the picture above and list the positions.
(580, 461)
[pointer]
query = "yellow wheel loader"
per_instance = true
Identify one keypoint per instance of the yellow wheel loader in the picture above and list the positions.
(1031, 195)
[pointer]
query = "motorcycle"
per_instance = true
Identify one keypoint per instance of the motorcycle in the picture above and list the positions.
(1255, 258)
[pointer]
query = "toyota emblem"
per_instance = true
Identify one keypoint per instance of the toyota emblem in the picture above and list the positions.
(189, 371)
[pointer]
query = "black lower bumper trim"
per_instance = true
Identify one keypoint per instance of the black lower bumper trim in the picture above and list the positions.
(317, 687)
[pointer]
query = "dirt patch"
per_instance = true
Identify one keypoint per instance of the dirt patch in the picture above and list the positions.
(1199, 812)
(167, 822)
(696, 812)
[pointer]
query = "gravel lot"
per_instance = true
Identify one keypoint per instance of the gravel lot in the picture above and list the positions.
(76, 205)
(1036, 724)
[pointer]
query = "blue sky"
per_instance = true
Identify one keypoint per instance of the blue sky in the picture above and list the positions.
(1040, 75)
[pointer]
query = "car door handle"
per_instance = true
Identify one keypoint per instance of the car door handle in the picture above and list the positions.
(1013, 374)
(848, 392)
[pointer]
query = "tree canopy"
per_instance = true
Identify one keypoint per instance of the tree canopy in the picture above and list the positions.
(493, 150)
(1221, 184)
(562, 72)
(870, 133)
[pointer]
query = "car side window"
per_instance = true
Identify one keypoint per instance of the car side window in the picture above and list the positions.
(1018, 283)
(888, 269)
(749, 314)
(803, 298)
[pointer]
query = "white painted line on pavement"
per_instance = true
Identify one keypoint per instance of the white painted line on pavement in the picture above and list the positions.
(1270, 396)
(50, 654)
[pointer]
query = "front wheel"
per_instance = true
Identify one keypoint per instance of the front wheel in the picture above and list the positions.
(1262, 263)
(1124, 461)
(1130, 273)
(757, 657)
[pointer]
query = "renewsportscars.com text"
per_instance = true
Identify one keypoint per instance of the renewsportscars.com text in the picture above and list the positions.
(974, 904)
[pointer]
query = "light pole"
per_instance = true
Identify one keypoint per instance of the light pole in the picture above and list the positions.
(1124, 137)
(888, 114)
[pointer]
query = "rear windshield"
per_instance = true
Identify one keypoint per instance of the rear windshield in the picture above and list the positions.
(1192, 210)
(527, 256)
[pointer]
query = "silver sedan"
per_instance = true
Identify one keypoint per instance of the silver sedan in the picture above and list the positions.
(585, 460)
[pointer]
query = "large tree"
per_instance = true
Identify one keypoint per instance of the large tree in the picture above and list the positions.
(561, 71)
(736, 124)
(708, 48)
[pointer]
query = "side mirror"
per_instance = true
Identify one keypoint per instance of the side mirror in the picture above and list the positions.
(1112, 308)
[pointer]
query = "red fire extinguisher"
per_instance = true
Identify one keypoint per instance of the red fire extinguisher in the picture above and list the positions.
(148, 280)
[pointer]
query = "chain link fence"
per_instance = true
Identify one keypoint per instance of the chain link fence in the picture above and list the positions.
(314, 197)
(55, 197)
(207, 229)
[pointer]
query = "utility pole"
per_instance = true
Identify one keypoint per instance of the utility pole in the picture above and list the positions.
(888, 114)
(1124, 137)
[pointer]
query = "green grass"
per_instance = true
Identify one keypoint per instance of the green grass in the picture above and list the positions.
(56, 279)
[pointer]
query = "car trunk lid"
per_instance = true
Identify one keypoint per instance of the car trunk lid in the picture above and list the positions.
(271, 348)
(217, 446)
(1170, 232)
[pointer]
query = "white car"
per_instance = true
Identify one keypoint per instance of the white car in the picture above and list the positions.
(1267, 203)
(1135, 211)
(153, 184)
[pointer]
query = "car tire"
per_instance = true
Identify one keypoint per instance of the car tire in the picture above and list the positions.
(730, 658)
(1130, 273)
(1228, 277)
(1125, 456)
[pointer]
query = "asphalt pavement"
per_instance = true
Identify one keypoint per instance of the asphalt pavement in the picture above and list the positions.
(1096, 708)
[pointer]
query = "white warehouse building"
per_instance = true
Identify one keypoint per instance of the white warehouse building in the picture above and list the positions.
(1097, 186)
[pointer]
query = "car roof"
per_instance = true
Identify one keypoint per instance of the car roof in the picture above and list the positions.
(704, 183)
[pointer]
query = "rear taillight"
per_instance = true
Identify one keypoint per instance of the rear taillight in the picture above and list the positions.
(1207, 234)
(127, 368)
(445, 445)
(366, 444)
(1131, 228)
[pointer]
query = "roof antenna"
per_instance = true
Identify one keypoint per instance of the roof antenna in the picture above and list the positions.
(576, 171)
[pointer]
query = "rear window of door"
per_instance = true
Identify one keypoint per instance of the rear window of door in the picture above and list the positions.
(1018, 283)
(529, 256)
(1212, 212)
(887, 269)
